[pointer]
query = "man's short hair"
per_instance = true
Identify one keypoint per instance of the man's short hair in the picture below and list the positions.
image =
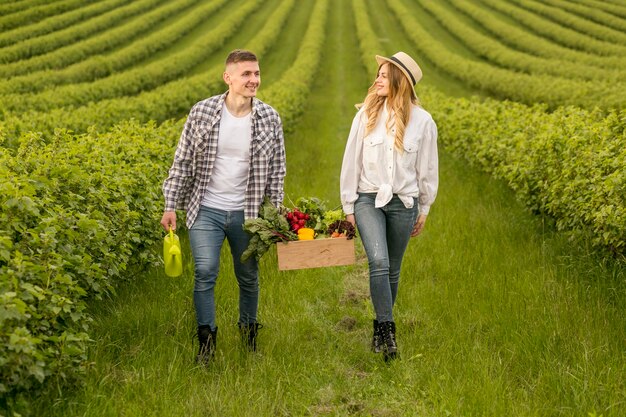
(240, 55)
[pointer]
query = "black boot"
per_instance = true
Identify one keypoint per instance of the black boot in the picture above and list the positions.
(388, 333)
(377, 340)
(249, 333)
(208, 342)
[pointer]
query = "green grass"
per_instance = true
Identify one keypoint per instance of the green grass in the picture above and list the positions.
(497, 314)
(315, 149)
(284, 51)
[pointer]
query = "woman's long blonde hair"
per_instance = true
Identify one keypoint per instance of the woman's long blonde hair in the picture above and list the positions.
(398, 100)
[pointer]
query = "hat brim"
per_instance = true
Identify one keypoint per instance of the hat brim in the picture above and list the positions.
(384, 60)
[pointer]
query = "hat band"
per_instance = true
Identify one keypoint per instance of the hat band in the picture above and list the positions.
(397, 61)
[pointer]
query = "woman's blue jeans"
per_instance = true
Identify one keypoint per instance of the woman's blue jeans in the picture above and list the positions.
(385, 233)
(207, 236)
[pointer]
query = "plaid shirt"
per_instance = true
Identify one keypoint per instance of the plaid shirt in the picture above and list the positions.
(195, 155)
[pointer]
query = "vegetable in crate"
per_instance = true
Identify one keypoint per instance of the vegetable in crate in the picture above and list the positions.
(340, 228)
(331, 216)
(314, 208)
(270, 227)
(298, 220)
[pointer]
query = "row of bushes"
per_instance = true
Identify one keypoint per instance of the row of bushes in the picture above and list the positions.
(77, 213)
(290, 94)
(162, 103)
(570, 20)
(368, 41)
(34, 12)
(81, 211)
(568, 163)
(41, 45)
(558, 33)
(494, 51)
(89, 47)
(527, 41)
(56, 22)
(612, 7)
(137, 79)
(14, 8)
(502, 83)
(591, 13)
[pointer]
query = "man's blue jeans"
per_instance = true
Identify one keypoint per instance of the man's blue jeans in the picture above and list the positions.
(207, 236)
(385, 233)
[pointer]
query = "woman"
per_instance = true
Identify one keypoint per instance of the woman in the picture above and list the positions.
(389, 179)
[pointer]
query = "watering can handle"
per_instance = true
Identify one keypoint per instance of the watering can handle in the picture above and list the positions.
(171, 233)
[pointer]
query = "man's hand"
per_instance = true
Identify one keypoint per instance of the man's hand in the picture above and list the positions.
(350, 218)
(419, 225)
(169, 219)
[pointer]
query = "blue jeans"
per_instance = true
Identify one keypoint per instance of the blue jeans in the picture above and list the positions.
(207, 236)
(385, 233)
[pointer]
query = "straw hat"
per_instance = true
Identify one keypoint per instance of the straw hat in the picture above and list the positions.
(406, 64)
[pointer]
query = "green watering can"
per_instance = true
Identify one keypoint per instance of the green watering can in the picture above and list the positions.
(172, 255)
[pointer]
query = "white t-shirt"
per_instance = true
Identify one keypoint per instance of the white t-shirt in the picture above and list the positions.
(229, 178)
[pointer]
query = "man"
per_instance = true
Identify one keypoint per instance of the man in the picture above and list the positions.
(230, 155)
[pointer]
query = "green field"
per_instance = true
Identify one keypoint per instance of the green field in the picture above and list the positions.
(510, 303)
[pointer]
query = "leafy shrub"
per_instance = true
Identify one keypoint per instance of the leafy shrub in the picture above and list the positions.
(569, 164)
(77, 211)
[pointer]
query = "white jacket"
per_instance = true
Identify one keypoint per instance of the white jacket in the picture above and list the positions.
(372, 164)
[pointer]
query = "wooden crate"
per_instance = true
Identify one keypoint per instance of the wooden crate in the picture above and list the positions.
(315, 253)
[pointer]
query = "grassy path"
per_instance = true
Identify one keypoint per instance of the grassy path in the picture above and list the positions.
(496, 314)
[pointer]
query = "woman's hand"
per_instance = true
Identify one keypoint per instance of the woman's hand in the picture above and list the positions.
(419, 225)
(350, 218)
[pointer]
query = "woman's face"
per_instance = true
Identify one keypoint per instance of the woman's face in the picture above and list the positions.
(382, 81)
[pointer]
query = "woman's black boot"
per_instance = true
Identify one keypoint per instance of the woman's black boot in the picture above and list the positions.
(249, 334)
(208, 342)
(388, 332)
(377, 340)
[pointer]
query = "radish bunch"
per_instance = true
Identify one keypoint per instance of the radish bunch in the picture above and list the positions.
(297, 219)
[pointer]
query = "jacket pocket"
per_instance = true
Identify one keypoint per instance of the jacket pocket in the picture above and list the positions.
(203, 138)
(411, 147)
(264, 148)
(373, 149)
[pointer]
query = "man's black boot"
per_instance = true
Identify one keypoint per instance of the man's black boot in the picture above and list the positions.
(208, 341)
(249, 332)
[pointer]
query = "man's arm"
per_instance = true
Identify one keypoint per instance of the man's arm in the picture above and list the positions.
(176, 186)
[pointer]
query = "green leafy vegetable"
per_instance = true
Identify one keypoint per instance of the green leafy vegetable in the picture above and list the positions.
(270, 227)
(315, 208)
(331, 216)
